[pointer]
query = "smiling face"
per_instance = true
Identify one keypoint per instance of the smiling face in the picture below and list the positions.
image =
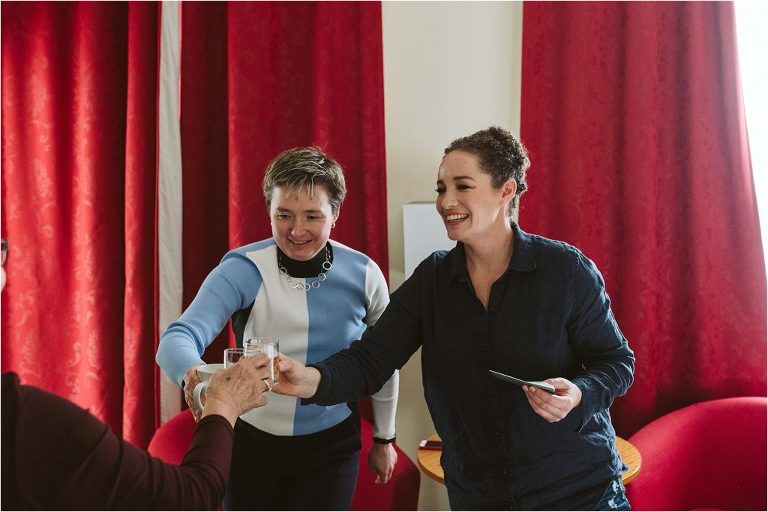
(301, 223)
(466, 199)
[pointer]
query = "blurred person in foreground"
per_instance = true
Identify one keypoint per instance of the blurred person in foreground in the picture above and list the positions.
(58, 456)
(503, 300)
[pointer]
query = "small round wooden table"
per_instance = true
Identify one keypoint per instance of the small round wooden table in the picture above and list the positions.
(429, 460)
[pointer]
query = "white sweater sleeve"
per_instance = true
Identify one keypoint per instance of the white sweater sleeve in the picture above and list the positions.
(384, 401)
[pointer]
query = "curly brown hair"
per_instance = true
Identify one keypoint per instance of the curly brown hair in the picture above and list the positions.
(501, 154)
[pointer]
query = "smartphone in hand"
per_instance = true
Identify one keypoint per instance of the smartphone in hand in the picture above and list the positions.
(549, 388)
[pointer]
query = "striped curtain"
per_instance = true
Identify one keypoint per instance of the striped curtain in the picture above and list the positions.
(261, 77)
(79, 174)
(135, 137)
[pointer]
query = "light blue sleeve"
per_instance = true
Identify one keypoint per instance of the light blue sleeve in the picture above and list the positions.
(231, 286)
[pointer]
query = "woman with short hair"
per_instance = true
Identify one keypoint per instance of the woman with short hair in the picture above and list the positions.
(316, 295)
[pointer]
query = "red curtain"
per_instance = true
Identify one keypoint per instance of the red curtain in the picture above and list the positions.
(633, 116)
(79, 88)
(79, 183)
(258, 78)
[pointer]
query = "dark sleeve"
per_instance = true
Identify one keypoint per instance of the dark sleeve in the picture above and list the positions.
(608, 362)
(9, 496)
(364, 367)
(200, 481)
(68, 459)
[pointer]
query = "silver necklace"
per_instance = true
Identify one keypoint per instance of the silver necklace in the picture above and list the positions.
(305, 287)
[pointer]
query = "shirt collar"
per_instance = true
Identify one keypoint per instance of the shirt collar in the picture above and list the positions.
(523, 258)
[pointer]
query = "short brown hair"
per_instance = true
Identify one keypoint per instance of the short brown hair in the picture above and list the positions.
(501, 154)
(305, 167)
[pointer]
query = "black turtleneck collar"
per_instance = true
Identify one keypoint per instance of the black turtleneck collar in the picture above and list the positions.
(309, 268)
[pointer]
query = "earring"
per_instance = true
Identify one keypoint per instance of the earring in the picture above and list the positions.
(333, 225)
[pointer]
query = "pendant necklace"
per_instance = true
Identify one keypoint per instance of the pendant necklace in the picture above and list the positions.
(296, 284)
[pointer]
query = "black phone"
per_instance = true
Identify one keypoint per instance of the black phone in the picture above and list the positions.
(549, 388)
(431, 445)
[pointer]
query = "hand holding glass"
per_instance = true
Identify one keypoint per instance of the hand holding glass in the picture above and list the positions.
(231, 357)
(269, 345)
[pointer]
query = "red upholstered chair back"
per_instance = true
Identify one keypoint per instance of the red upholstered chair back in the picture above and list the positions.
(710, 455)
(171, 441)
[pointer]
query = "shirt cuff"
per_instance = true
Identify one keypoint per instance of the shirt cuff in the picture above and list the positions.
(316, 398)
(583, 411)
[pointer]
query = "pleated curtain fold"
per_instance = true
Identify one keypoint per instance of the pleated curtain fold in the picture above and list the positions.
(633, 115)
(80, 169)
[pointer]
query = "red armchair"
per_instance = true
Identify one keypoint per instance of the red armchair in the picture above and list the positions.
(401, 493)
(171, 441)
(709, 455)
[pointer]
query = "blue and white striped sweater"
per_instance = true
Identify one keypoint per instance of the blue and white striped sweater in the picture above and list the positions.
(311, 326)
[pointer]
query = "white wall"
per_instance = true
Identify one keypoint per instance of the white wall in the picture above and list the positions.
(450, 68)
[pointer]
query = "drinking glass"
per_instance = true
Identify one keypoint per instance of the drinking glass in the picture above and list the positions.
(233, 355)
(269, 345)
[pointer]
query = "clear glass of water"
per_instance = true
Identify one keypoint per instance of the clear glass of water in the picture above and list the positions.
(269, 345)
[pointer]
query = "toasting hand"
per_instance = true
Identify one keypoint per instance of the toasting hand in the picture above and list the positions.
(296, 379)
(238, 389)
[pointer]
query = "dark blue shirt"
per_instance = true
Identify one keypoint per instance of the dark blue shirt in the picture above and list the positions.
(548, 316)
